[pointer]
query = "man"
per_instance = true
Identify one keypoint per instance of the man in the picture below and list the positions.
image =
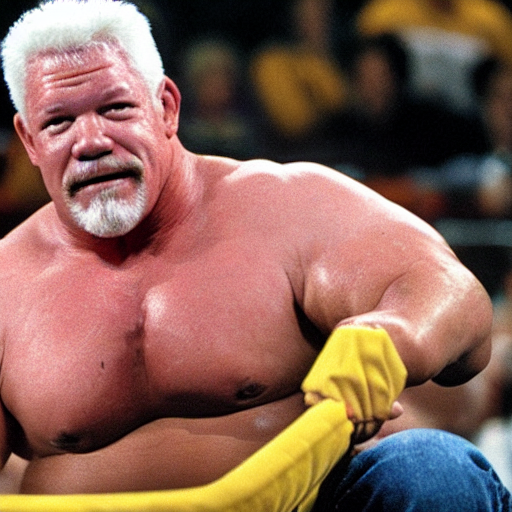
(159, 315)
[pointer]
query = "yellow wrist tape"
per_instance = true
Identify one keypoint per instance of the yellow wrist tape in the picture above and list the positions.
(360, 367)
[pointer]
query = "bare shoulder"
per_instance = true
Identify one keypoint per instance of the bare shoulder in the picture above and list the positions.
(346, 241)
(351, 243)
(292, 173)
(294, 183)
(27, 247)
(314, 196)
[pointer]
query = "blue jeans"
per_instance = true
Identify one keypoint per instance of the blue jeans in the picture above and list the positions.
(415, 471)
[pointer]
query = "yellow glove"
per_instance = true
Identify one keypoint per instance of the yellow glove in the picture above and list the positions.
(360, 367)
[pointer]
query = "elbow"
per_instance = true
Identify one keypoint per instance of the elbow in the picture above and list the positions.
(471, 339)
(455, 347)
(464, 369)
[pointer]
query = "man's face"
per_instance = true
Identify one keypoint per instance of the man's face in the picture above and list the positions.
(94, 131)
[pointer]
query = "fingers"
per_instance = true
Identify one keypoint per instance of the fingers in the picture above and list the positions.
(366, 429)
(396, 411)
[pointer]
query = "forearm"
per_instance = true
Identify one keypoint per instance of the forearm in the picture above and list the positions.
(440, 325)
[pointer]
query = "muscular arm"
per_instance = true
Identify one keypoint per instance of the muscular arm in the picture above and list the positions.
(374, 264)
(439, 318)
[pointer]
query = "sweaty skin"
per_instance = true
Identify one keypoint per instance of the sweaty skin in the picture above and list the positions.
(162, 358)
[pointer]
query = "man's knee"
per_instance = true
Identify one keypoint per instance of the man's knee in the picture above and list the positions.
(419, 470)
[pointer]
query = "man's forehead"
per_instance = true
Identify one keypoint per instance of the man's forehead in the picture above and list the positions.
(53, 80)
(94, 57)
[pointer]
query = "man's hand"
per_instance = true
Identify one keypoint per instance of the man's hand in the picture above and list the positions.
(360, 367)
(366, 429)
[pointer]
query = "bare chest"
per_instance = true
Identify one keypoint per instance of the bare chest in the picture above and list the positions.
(94, 352)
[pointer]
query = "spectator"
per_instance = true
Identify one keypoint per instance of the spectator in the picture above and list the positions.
(299, 83)
(480, 185)
(383, 132)
(493, 84)
(446, 38)
(216, 120)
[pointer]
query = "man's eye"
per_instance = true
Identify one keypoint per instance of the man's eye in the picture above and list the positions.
(57, 122)
(116, 108)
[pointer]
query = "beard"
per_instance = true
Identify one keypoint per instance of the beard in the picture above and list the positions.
(107, 214)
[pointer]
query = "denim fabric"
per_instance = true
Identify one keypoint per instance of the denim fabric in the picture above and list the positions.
(419, 470)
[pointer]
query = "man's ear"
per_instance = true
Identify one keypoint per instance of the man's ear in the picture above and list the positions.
(26, 138)
(170, 98)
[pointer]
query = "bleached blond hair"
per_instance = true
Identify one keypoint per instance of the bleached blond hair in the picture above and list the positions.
(61, 26)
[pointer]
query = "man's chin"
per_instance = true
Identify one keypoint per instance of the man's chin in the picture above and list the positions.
(109, 218)
(108, 228)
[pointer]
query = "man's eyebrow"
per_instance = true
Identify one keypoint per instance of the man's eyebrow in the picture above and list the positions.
(107, 95)
(54, 109)
(115, 91)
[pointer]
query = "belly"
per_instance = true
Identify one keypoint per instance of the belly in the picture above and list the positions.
(168, 453)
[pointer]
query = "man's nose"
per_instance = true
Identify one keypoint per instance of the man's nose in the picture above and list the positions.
(91, 142)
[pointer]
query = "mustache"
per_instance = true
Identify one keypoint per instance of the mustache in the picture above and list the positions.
(102, 169)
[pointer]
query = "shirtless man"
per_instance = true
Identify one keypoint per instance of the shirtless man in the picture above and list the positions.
(157, 318)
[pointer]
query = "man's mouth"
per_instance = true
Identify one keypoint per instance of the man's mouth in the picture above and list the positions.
(75, 187)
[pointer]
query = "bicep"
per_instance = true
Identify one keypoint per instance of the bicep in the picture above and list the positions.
(367, 261)
(410, 284)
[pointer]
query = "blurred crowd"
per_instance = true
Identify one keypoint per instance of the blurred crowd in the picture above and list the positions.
(411, 97)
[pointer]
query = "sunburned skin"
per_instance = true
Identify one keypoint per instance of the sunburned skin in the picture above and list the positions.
(153, 358)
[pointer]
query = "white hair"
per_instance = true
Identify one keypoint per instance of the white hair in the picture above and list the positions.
(64, 25)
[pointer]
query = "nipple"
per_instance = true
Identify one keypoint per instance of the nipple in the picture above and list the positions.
(250, 391)
(67, 442)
